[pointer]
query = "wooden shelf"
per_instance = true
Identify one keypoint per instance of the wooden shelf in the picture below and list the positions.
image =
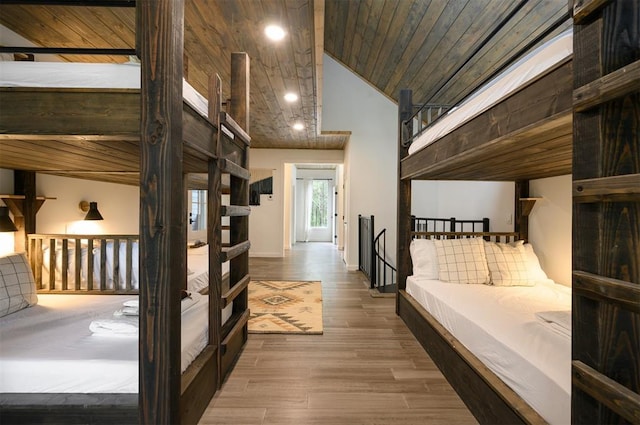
(527, 205)
(15, 203)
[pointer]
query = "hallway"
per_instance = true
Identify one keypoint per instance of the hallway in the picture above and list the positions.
(367, 368)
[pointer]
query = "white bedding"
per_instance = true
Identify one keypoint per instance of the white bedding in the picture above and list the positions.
(518, 75)
(85, 75)
(499, 325)
(49, 347)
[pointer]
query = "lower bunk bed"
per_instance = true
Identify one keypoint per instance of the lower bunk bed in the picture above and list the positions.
(503, 341)
(72, 355)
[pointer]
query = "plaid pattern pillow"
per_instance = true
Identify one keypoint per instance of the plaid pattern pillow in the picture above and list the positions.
(17, 286)
(461, 261)
(507, 265)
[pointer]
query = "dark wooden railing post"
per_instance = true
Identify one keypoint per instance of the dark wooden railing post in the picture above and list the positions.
(160, 34)
(403, 233)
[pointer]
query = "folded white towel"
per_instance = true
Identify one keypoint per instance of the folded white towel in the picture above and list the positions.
(123, 326)
(557, 321)
(132, 303)
(127, 311)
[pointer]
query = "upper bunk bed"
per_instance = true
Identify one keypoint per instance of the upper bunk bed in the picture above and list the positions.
(516, 127)
(149, 136)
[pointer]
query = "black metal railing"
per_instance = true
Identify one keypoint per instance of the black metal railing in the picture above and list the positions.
(384, 272)
(365, 246)
(428, 224)
(372, 249)
(372, 258)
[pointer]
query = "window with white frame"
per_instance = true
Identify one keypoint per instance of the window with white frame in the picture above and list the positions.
(320, 204)
(198, 210)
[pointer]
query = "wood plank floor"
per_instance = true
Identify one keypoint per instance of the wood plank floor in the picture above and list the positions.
(367, 368)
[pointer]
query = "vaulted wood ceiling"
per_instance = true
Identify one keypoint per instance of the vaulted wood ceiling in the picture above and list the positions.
(442, 49)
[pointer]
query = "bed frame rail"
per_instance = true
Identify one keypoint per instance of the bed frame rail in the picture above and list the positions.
(103, 264)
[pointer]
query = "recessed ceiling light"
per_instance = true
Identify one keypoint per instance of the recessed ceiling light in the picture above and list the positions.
(298, 126)
(274, 32)
(290, 97)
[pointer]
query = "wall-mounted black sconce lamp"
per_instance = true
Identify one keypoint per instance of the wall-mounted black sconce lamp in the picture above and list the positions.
(91, 208)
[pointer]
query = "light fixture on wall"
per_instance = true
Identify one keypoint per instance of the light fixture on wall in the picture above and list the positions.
(91, 208)
(6, 224)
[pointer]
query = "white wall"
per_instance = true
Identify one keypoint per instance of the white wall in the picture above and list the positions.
(267, 221)
(550, 226)
(370, 178)
(466, 200)
(118, 204)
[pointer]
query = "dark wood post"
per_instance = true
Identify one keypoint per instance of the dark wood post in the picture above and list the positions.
(606, 213)
(162, 214)
(239, 111)
(24, 183)
(405, 109)
(521, 220)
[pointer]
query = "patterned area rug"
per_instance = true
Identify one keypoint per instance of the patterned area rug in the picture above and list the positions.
(285, 307)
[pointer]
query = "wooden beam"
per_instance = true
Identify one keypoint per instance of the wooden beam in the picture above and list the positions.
(162, 211)
(239, 234)
(583, 9)
(318, 54)
(618, 83)
(405, 110)
(24, 183)
(616, 397)
(614, 291)
(235, 290)
(234, 251)
(615, 188)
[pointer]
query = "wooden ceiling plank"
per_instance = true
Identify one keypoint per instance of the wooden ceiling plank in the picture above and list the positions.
(349, 33)
(408, 30)
(372, 22)
(362, 18)
(389, 45)
(473, 24)
(382, 29)
(531, 21)
(421, 38)
(318, 60)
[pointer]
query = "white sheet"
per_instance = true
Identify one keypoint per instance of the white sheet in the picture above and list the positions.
(49, 347)
(498, 324)
(518, 75)
(85, 75)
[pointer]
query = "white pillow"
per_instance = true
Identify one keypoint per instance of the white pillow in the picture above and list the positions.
(507, 264)
(533, 264)
(462, 260)
(424, 258)
(17, 286)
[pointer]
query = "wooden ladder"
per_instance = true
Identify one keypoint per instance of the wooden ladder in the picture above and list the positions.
(606, 212)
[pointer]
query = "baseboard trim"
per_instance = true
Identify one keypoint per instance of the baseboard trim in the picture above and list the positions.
(266, 254)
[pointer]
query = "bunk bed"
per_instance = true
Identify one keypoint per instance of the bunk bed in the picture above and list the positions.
(148, 135)
(520, 134)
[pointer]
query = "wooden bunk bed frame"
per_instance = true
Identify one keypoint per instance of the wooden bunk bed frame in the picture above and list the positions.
(157, 139)
(558, 132)
(534, 142)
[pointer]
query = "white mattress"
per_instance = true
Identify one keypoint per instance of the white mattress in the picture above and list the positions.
(85, 75)
(198, 268)
(499, 326)
(518, 75)
(48, 348)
